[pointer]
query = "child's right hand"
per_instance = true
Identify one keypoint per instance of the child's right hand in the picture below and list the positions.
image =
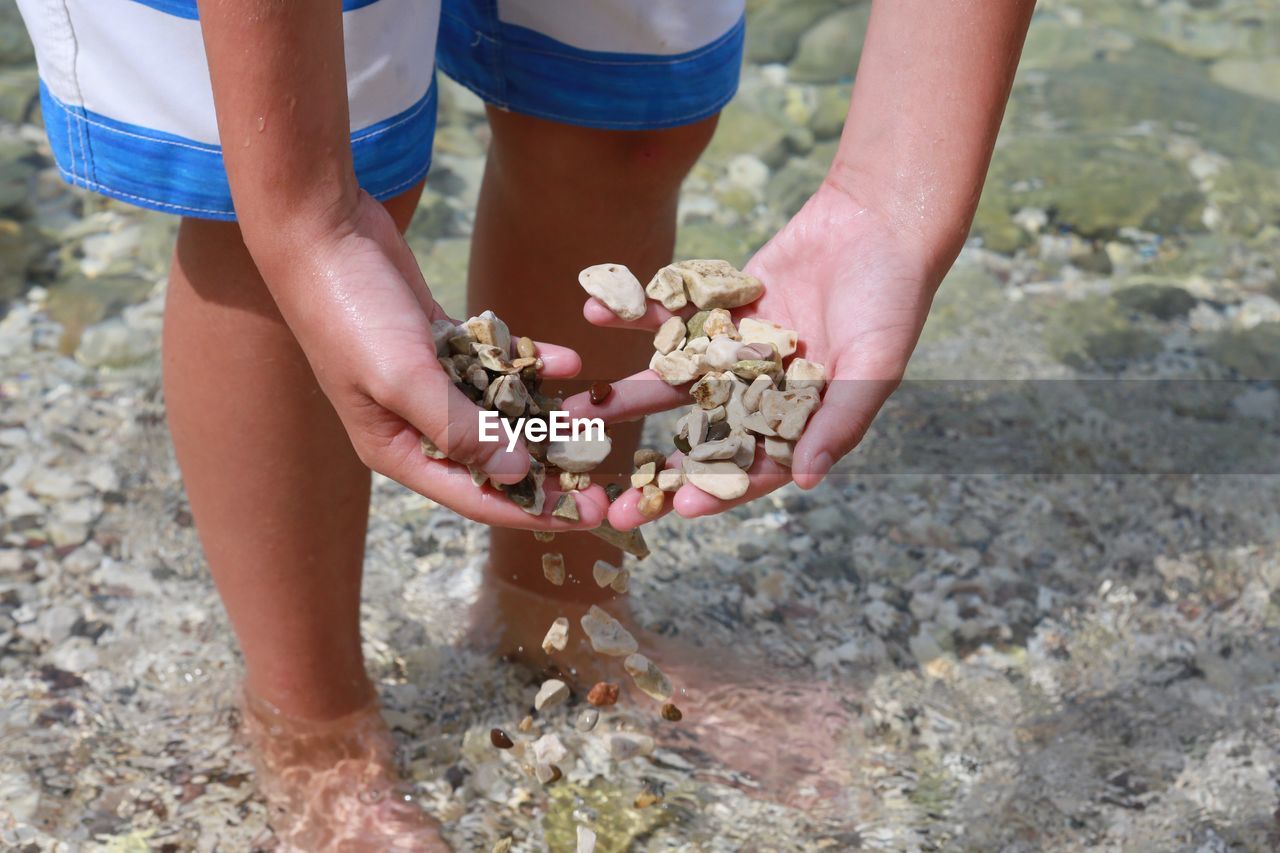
(360, 309)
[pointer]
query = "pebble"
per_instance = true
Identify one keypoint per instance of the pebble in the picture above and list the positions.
(606, 634)
(502, 845)
(553, 568)
(599, 392)
(723, 480)
(579, 455)
(543, 535)
(616, 287)
(671, 336)
(751, 397)
(552, 692)
(644, 475)
(667, 287)
(429, 448)
(651, 501)
(586, 839)
(671, 713)
(670, 479)
(754, 330)
(525, 348)
(587, 719)
(603, 694)
(567, 507)
(548, 749)
(508, 395)
(722, 352)
(718, 284)
(648, 677)
(500, 739)
(557, 636)
(779, 450)
(548, 773)
(708, 451)
(622, 583)
(648, 454)
(626, 745)
(713, 389)
(802, 373)
(675, 368)
(719, 324)
(488, 329)
(631, 542)
(604, 573)
(644, 799)
(526, 725)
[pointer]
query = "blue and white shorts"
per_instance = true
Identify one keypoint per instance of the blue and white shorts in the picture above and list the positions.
(128, 106)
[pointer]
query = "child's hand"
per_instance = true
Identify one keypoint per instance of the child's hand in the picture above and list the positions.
(857, 293)
(362, 313)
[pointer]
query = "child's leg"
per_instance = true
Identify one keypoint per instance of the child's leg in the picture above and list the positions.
(557, 198)
(278, 495)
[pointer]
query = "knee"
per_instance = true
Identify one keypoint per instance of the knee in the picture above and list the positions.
(646, 163)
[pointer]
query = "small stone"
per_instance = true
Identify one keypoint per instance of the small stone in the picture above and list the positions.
(802, 373)
(441, 331)
(698, 345)
(604, 573)
(644, 475)
(461, 342)
(478, 477)
(584, 481)
(488, 329)
(754, 330)
(723, 480)
(719, 324)
(557, 636)
(606, 634)
(722, 352)
(763, 352)
(622, 583)
(599, 392)
(616, 287)
(586, 840)
(627, 745)
(603, 694)
(792, 424)
(671, 713)
(693, 428)
(780, 450)
(631, 542)
(526, 725)
(526, 348)
(716, 430)
(670, 479)
(500, 739)
(716, 415)
(553, 568)
(667, 287)
(713, 389)
(579, 455)
(675, 368)
(587, 719)
(751, 368)
(648, 677)
(519, 364)
(543, 535)
(751, 397)
(567, 507)
(746, 454)
(651, 501)
(693, 327)
(502, 845)
(718, 284)
(491, 358)
(552, 692)
(709, 451)
(648, 454)
(644, 799)
(548, 774)
(757, 424)
(670, 336)
(548, 749)
(508, 395)
(430, 450)
(477, 377)
(568, 481)
(613, 491)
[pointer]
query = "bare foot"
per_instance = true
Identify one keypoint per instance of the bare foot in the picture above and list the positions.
(332, 785)
(773, 735)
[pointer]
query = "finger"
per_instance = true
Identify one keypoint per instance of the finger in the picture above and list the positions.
(848, 408)
(558, 362)
(766, 476)
(598, 314)
(638, 395)
(428, 400)
(623, 512)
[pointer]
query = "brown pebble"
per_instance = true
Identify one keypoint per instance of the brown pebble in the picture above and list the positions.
(648, 454)
(604, 693)
(525, 348)
(671, 713)
(600, 392)
(645, 799)
(500, 739)
(526, 725)
(543, 535)
(651, 499)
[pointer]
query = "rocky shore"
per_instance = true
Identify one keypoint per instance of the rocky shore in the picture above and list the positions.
(1023, 655)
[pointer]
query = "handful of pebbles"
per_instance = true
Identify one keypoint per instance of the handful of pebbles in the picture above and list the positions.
(750, 390)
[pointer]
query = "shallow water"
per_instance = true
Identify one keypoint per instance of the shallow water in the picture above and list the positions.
(1022, 655)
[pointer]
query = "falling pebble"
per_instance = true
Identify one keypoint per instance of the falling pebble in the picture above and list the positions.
(603, 694)
(586, 840)
(526, 725)
(671, 713)
(600, 392)
(500, 739)
(587, 720)
(645, 799)
(548, 773)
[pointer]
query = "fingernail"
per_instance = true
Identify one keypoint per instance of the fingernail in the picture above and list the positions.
(821, 465)
(507, 467)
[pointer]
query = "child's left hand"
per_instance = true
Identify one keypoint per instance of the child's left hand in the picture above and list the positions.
(856, 291)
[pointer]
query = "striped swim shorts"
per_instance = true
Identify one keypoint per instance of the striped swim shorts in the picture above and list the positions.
(128, 106)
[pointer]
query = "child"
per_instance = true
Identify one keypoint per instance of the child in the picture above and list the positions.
(293, 138)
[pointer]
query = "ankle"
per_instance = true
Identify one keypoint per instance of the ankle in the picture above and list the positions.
(314, 700)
